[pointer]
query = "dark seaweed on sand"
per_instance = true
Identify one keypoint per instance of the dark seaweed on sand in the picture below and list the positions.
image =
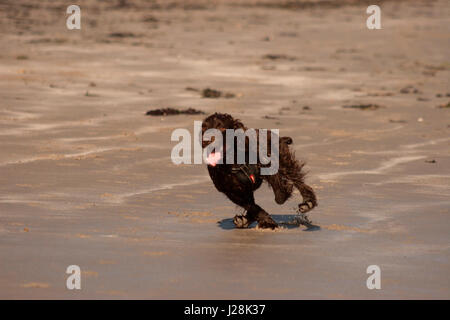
(212, 93)
(369, 106)
(172, 112)
(122, 35)
(279, 57)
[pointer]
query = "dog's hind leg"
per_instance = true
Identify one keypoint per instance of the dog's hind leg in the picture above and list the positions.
(309, 197)
(292, 170)
(282, 188)
(280, 182)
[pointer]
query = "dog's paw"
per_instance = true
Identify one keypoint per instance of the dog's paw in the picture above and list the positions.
(267, 223)
(305, 206)
(241, 222)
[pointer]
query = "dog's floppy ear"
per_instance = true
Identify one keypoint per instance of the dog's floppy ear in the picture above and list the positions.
(220, 124)
(237, 124)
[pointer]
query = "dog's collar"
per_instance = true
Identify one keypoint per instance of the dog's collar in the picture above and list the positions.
(245, 169)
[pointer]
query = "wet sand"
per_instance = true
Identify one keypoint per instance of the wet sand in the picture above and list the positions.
(86, 178)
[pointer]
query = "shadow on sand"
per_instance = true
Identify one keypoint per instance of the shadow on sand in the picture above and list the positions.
(288, 221)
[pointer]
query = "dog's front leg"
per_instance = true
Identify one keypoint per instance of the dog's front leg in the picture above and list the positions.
(262, 217)
(255, 213)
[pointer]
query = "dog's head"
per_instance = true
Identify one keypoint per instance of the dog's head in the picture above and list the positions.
(221, 122)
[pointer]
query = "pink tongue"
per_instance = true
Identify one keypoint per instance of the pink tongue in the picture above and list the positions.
(213, 158)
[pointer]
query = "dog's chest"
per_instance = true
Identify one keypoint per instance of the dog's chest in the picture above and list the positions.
(231, 178)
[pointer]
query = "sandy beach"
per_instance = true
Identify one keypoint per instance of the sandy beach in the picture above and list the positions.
(86, 178)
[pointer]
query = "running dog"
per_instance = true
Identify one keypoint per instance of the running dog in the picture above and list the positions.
(239, 181)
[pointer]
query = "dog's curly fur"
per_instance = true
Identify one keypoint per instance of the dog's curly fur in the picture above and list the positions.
(289, 175)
